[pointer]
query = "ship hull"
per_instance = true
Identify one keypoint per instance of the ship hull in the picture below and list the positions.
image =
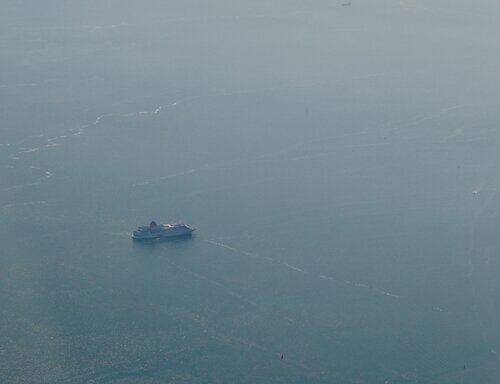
(162, 232)
(161, 236)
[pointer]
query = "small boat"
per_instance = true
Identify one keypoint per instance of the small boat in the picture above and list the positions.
(159, 231)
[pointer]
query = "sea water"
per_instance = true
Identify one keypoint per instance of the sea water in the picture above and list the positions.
(341, 165)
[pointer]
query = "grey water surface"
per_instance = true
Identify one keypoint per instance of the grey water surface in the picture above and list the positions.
(341, 164)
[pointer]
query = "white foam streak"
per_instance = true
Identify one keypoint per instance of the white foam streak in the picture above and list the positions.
(219, 244)
(95, 28)
(385, 293)
(296, 269)
(30, 150)
(99, 119)
(46, 175)
(28, 203)
(28, 85)
(228, 247)
(361, 285)
(302, 271)
(452, 108)
(21, 142)
(54, 141)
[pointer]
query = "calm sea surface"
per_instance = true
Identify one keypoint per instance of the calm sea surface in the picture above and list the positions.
(341, 164)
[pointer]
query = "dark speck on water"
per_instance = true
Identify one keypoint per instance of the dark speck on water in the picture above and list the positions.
(342, 169)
